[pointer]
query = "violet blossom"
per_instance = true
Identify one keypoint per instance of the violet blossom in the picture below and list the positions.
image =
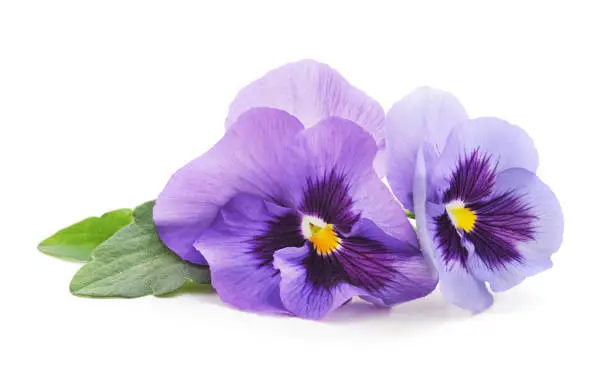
(483, 216)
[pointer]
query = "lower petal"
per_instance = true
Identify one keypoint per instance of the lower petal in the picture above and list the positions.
(368, 263)
(299, 295)
(459, 287)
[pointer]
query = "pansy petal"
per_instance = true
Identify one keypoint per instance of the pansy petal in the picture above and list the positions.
(337, 147)
(533, 254)
(424, 116)
(423, 207)
(311, 91)
(298, 293)
(368, 263)
(239, 247)
(505, 145)
(390, 270)
(336, 143)
(459, 287)
(246, 160)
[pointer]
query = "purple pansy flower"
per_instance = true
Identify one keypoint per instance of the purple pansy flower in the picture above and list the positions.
(292, 219)
(483, 216)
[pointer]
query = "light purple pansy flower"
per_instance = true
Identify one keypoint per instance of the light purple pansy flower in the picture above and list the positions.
(292, 219)
(483, 216)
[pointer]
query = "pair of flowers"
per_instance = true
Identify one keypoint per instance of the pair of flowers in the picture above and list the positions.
(289, 210)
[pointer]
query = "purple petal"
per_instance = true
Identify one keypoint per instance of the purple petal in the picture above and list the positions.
(369, 263)
(239, 247)
(534, 247)
(341, 146)
(424, 116)
(246, 160)
(299, 295)
(390, 270)
(336, 143)
(423, 208)
(311, 92)
(459, 287)
(328, 198)
(506, 144)
(473, 177)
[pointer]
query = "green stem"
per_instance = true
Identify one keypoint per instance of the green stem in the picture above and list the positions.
(409, 214)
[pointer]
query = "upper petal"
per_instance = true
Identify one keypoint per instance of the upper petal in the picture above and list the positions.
(245, 160)
(507, 145)
(343, 148)
(310, 91)
(424, 116)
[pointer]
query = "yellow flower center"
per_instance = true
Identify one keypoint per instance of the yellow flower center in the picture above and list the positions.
(321, 234)
(461, 217)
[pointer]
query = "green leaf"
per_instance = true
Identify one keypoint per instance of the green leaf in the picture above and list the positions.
(134, 262)
(79, 240)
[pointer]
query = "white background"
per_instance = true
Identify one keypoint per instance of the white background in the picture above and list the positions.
(100, 102)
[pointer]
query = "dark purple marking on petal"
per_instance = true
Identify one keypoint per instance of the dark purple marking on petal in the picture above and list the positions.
(473, 178)
(503, 222)
(258, 227)
(369, 264)
(449, 242)
(324, 271)
(328, 198)
(283, 231)
(360, 262)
